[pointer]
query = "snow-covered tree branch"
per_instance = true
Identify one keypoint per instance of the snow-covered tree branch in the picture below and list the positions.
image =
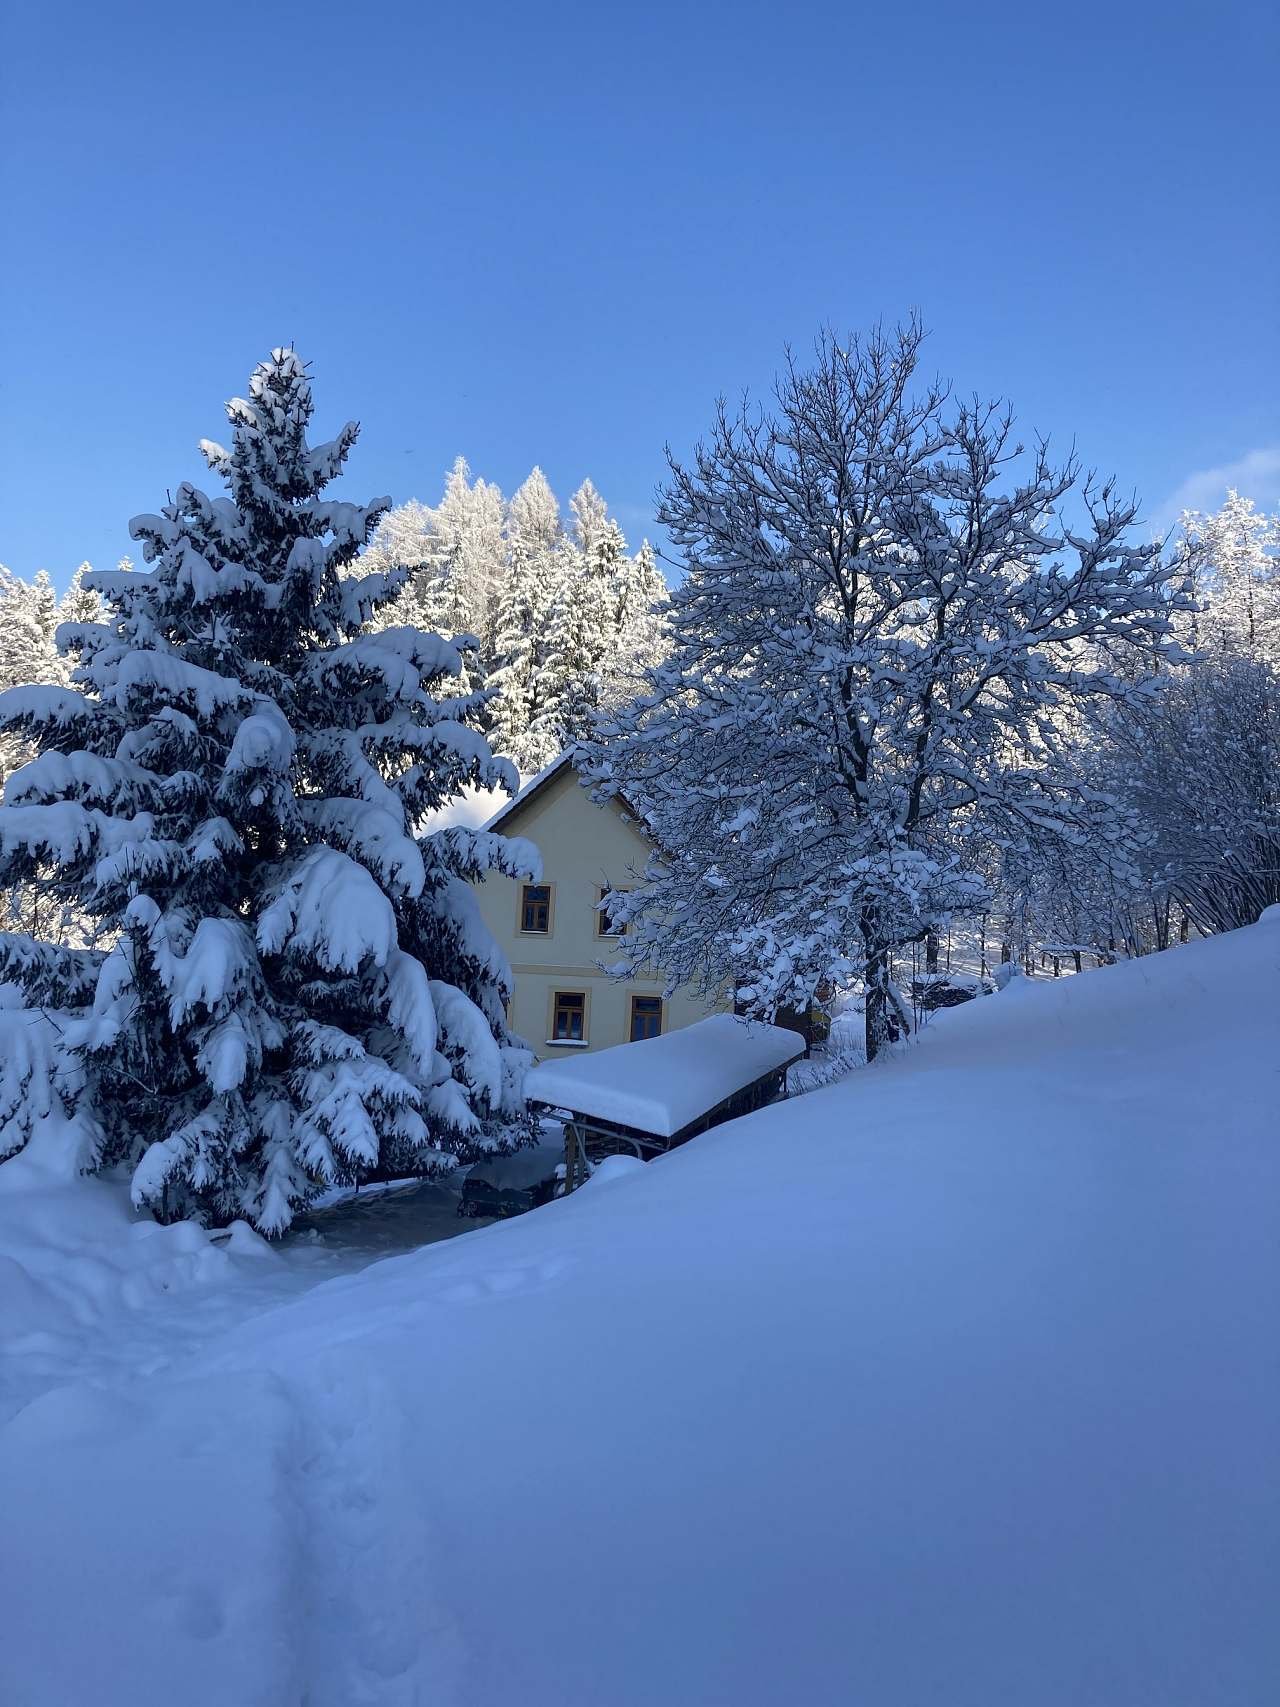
(888, 604)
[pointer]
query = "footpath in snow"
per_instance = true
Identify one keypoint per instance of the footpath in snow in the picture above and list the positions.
(956, 1382)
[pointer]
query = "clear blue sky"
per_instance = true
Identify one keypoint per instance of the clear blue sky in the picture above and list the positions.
(554, 233)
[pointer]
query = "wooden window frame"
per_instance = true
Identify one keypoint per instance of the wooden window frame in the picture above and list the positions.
(553, 999)
(551, 909)
(642, 996)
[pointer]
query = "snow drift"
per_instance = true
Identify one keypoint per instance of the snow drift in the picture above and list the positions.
(953, 1383)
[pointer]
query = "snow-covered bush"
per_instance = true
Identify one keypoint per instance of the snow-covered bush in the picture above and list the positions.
(300, 988)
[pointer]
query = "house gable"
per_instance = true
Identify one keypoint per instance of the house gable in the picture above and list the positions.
(587, 847)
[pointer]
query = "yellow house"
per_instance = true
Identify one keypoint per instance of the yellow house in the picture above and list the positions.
(553, 932)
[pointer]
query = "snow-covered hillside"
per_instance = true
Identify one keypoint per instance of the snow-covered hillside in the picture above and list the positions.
(954, 1384)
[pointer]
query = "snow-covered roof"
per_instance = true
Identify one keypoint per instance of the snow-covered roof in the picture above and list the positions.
(530, 788)
(663, 1084)
(538, 782)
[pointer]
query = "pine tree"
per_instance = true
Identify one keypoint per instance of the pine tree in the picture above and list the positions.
(533, 521)
(563, 624)
(525, 722)
(1232, 559)
(584, 623)
(81, 608)
(26, 650)
(469, 524)
(590, 519)
(406, 540)
(301, 990)
(83, 603)
(639, 610)
(45, 604)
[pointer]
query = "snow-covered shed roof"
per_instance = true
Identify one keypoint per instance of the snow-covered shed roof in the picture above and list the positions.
(663, 1084)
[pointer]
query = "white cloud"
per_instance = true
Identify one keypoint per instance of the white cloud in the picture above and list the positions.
(1254, 475)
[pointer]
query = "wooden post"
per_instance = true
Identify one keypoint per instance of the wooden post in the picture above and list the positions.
(570, 1155)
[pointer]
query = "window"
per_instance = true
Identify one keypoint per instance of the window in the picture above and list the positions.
(535, 909)
(646, 1017)
(605, 925)
(568, 1017)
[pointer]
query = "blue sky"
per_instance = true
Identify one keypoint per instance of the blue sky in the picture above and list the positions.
(553, 234)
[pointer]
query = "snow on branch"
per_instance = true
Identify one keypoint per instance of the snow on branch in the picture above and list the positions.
(329, 907)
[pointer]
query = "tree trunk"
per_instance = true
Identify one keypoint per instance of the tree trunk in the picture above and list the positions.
(931, 951)
(882, 1024)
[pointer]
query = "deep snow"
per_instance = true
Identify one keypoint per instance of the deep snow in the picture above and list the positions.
(953, 1384)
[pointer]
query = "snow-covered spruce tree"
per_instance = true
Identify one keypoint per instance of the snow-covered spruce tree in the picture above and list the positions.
(302, 989)
(885, 602)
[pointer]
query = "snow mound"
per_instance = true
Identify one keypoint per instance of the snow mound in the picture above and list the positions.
(951, 1383)
(75, 1261)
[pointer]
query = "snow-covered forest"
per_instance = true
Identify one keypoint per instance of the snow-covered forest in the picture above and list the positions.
(559, 619)
(564, 619)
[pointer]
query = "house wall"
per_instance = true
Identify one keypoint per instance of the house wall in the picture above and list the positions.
(584, 848)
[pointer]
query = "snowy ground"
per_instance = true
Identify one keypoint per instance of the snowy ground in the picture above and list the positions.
(89, 1291)
(875, 1397)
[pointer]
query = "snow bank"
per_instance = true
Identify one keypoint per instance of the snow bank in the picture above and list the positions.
(663, 1084)
(953, 1383)
(75, 1261)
